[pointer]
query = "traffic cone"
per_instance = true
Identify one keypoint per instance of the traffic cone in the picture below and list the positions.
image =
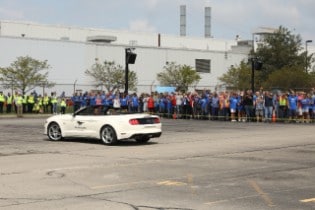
(174, 116)
(273, 116)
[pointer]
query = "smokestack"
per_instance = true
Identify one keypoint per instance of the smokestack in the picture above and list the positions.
(183, 20)
(207, 22)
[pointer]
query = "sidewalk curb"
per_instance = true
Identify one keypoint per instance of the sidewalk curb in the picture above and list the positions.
(34, 116)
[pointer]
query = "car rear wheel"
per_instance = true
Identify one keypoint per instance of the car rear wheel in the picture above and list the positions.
(143, 139)
(108, 135)
(54, 132)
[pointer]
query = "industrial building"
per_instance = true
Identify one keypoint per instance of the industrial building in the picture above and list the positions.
(70, 51)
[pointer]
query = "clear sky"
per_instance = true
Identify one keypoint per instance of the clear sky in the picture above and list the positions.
(228, 18)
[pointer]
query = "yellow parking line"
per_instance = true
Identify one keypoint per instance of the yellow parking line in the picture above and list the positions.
(171, 183)
(215, 202)
(262, 194)
(165, 183)
(308, 200)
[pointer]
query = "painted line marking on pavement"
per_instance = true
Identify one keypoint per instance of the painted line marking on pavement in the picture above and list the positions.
(165, 183)
(308, 200)
(260, 192)
(215, 202)
(118, 185)
(171, 183)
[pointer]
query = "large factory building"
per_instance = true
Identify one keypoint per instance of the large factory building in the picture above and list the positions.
(70, 51)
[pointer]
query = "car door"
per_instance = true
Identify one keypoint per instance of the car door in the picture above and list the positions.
(85, 123)
(86, 126)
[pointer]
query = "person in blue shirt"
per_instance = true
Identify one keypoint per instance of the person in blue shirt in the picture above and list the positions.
(233, 105)
(84, 99)
(313, 106)
(134, 103)
(306, 103)
(169, 106)
(204, 106)
(92, 98)
(109, 99)
(215, 106)
(76, 101)
(124, 102)
(268, 106)
(162, 106)
(292, 105)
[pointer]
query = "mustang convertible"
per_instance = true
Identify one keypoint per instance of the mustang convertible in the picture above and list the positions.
(105, 123)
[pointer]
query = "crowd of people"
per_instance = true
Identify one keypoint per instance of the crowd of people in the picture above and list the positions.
(32, 103)
(242, 106)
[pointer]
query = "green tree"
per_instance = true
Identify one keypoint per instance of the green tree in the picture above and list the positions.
(25, 74)
(289, 78)
(179, 76)
(281, 50)
(283, 62)
(237, 77)
(111, 76)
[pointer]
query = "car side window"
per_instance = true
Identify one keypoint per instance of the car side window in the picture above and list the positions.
(97, 111)
(87, 111)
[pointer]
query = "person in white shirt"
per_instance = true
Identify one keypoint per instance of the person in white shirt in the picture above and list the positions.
(179, 101)
(116, 102)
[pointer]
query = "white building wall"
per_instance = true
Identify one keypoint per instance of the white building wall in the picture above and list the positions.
(70, 59)
(40, 31)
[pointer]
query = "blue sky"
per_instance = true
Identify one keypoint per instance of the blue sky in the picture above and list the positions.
(229, 17)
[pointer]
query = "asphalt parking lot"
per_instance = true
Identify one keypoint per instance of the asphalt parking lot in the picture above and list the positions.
(195, 164)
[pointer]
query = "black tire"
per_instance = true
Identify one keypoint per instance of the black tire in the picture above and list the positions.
(142, 139)
(108, 135)
(54, 132)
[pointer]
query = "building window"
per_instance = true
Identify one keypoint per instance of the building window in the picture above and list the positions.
(203, 65)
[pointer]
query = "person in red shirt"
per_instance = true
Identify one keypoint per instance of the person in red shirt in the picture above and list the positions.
(151, 104)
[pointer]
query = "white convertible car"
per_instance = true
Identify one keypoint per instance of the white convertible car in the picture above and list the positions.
(104, 123)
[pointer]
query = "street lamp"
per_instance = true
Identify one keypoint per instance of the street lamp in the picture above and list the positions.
(306, 42)
(130, 58)
(256, 65)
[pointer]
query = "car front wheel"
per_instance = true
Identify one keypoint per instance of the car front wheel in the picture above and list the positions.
(108, 135)
(54, 132)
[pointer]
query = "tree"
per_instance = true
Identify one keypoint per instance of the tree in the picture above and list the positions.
(111, 76)
(239, 77)
(25, 74)
(179, 76)
(280, 50)
(283, 59)
(289, 78)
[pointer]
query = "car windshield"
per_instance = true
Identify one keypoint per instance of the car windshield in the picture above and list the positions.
(93, 110)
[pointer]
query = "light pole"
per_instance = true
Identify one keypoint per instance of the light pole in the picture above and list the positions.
(256, 65)
(306, 60)
(74, 84)
(130, 58)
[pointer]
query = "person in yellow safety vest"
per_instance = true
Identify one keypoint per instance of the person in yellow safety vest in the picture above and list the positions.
(2, 100)
(30, 103)
(19, 105)
(40, 103)
(63, 106)
(9, 103)
(283, 106)
(54, 102)
(46, 100)
(36, 107)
